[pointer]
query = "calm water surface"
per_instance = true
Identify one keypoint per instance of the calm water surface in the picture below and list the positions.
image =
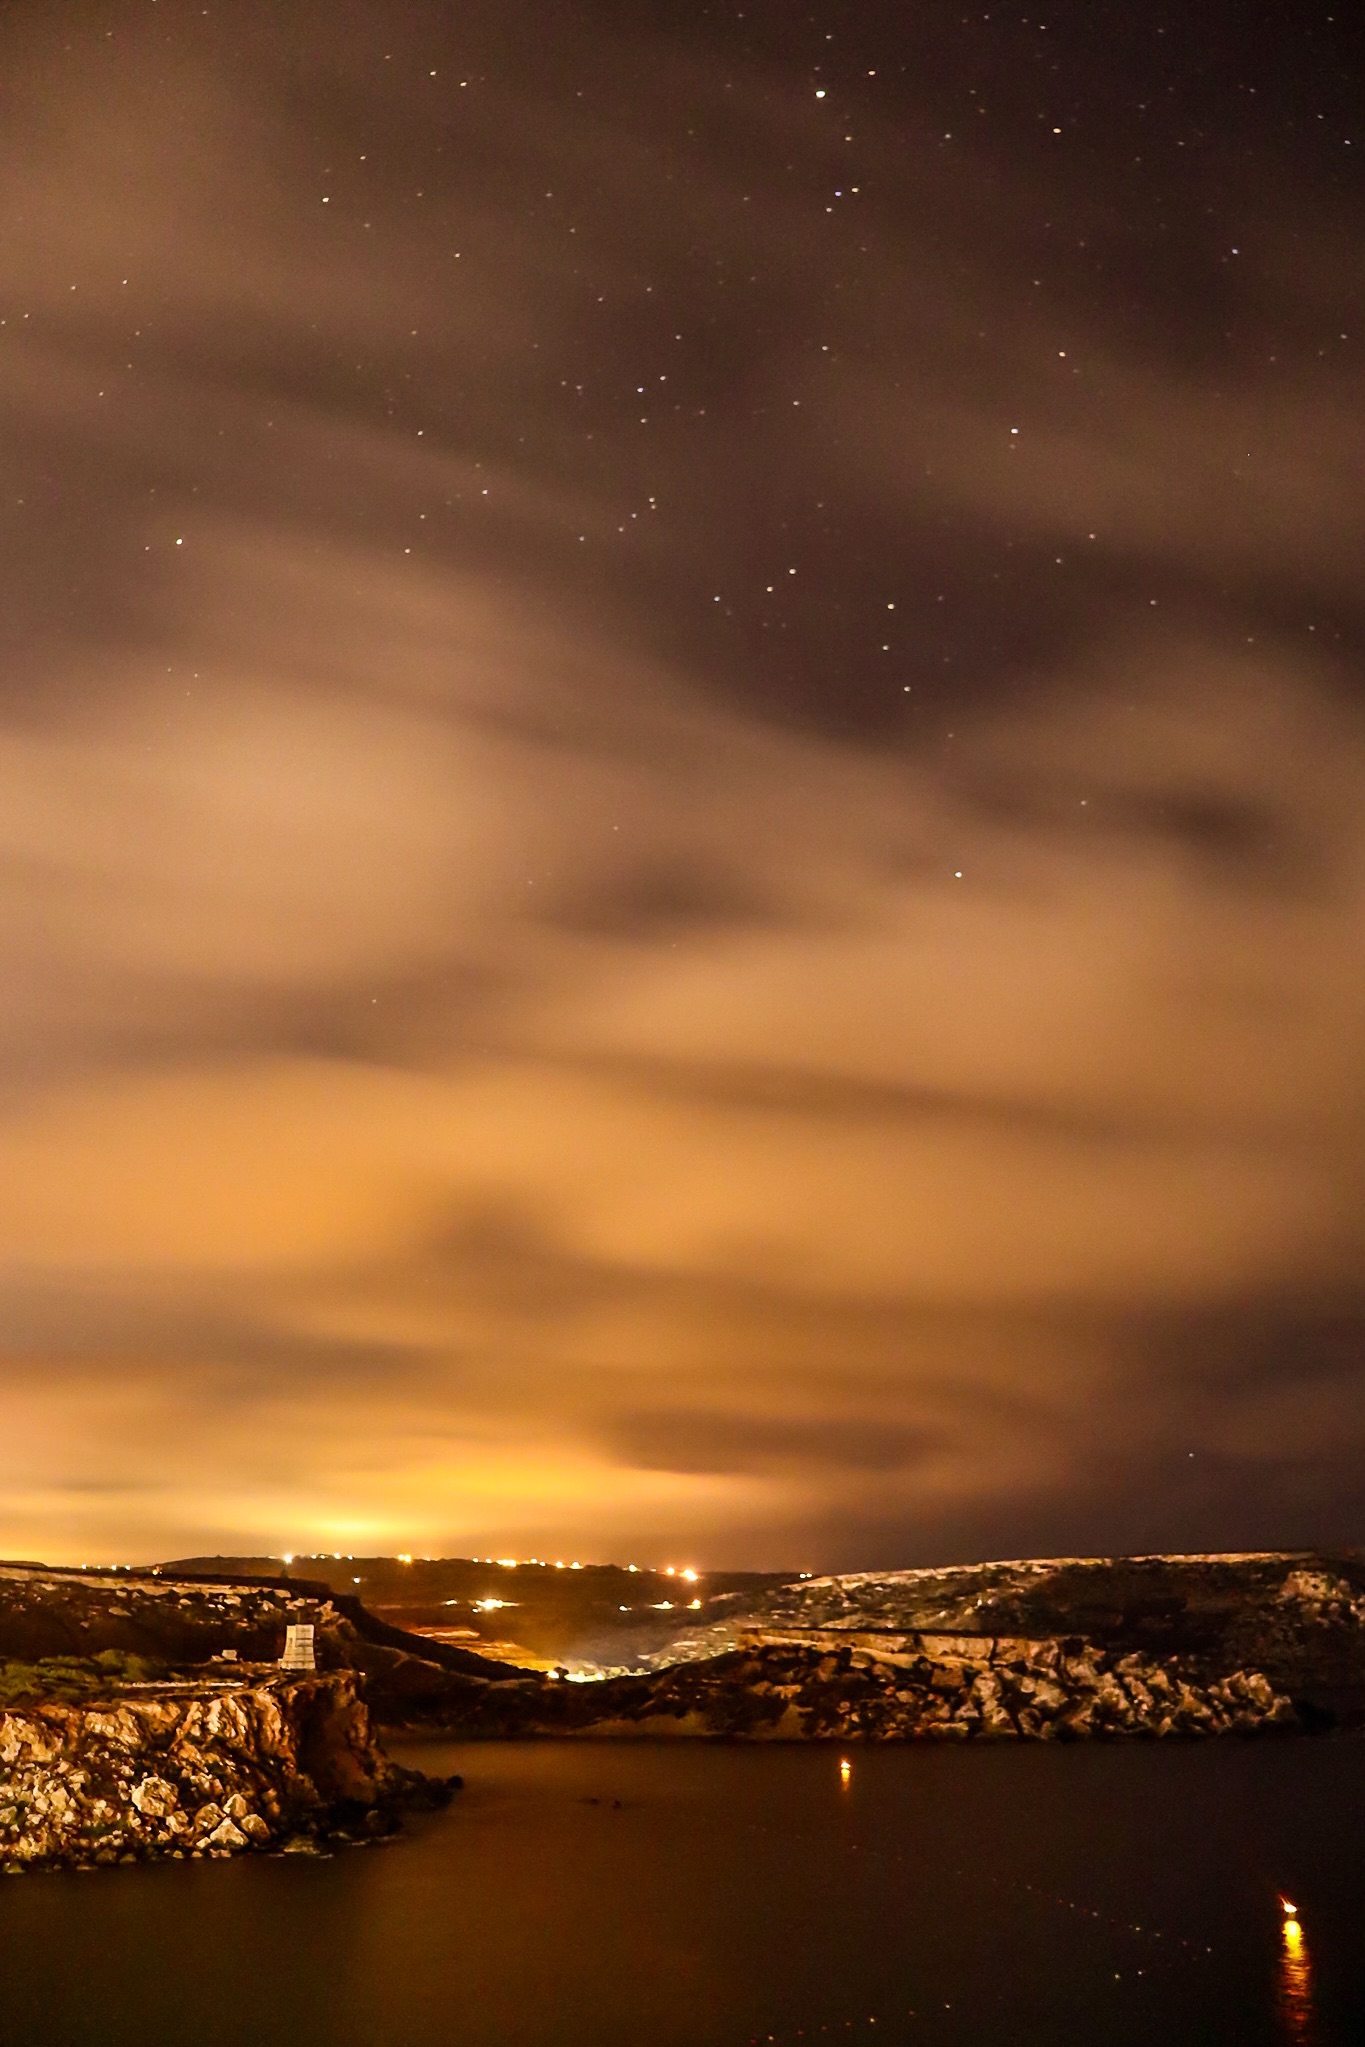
(685, 1895)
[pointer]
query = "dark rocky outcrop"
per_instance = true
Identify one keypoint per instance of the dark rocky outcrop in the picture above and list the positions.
(207, 1769)
(924, 1687)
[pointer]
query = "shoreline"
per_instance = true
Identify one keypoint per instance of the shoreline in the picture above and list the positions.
(282, 1764)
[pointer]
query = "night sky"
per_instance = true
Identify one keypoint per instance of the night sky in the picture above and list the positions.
(682, 779)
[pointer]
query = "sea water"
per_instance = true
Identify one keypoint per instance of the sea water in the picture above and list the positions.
(687, 1894)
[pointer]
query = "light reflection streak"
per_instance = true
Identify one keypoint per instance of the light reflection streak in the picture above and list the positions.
(1295, 1978)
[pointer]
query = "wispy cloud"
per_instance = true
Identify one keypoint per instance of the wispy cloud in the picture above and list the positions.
(495, 1042)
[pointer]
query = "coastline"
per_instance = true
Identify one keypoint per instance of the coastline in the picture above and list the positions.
(281, 1763)
(144, 1719)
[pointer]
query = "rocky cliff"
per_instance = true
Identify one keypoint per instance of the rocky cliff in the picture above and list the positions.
(207, 1769)
(1299, 1618)
(934, 1688)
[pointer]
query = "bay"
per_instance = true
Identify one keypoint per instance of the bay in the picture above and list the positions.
(658, 1894)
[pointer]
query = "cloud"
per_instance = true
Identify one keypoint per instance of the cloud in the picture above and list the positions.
(510, 1033)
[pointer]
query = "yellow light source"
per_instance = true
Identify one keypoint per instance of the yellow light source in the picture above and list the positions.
(845, 1769)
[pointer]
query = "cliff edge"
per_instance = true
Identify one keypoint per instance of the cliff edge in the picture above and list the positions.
(206, 1769)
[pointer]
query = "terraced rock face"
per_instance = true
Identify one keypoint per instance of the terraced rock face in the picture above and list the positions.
(935, 1688)
(1298, 1618)
(194, 1772)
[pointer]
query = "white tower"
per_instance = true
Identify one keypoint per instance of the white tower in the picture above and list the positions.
(298, 1648)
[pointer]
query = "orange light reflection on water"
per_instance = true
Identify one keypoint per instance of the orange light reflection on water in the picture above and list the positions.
(1295, 1979)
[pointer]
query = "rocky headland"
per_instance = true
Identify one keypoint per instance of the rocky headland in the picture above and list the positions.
(144, 1716)
(195, 1769)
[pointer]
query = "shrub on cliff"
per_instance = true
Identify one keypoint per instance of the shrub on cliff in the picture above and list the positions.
(69, 1678)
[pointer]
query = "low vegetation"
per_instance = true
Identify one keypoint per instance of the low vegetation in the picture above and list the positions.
(72, 1678)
